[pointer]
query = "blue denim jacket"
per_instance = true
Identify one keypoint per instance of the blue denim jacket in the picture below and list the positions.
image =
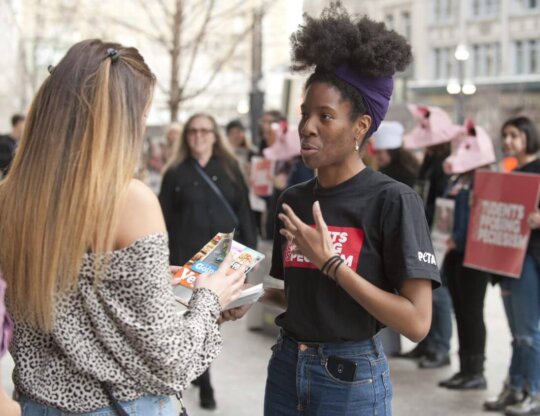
(460, 189)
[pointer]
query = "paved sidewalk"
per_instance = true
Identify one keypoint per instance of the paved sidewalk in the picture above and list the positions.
(239, 374)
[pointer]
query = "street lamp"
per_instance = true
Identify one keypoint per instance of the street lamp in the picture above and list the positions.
(461, 87)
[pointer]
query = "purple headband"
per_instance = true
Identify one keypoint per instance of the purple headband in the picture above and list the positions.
(376, 92)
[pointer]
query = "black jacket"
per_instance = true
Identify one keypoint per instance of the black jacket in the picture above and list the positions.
(7, 150)
(431, 183)
(194, 213)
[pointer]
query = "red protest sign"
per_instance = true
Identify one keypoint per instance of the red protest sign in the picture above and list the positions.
(498, 233)
(262, 176)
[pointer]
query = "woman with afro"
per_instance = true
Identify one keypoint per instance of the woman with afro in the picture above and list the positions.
(352, 245)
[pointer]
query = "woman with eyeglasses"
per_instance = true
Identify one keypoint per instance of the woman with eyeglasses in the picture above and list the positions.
(204, 192)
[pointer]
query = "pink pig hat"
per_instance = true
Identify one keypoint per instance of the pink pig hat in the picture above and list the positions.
(433, 126)
(286, 146)
(471, 149)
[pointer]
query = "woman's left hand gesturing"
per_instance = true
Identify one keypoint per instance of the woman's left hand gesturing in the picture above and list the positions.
(314, 243)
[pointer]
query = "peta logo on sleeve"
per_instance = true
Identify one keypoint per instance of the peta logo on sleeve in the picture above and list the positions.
(427, 258)
(347, 241)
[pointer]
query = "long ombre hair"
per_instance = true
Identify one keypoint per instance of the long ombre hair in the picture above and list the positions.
(221, 149)
(62, 196)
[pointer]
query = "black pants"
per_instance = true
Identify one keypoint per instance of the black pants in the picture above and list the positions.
(468, 290)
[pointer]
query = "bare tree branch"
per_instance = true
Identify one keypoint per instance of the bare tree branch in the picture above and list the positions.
(219, 65)
(198, 41)
(152, 19)
(162, 88)
(159, 39)
(165, 9)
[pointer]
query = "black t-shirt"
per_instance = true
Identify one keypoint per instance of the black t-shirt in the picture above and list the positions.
(534, 242)
(379, 227)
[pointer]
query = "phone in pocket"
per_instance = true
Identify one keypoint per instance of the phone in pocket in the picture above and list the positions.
(340, 368)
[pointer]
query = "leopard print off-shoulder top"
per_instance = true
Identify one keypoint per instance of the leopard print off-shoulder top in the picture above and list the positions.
(125, 331)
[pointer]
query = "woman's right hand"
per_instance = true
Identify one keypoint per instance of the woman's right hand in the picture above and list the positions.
(226, 283)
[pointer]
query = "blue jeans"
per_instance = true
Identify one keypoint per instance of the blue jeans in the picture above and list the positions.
(440, 332)
(521, 298)
(147, 406)
(299, 382)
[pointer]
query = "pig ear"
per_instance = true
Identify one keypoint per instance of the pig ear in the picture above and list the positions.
(413, 109)
(470, 127)
(424, 111)
(419, 112)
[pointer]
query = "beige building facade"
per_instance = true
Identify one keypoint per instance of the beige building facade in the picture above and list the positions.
(503, 41)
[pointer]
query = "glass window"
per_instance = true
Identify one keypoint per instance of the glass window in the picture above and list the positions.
(476, 7)
(443, 10)
(437, 59)
(406, 24)
(389, 20)
(518, 47)
(533, 57)
(486, 59)
(477, 61)
(485, 8)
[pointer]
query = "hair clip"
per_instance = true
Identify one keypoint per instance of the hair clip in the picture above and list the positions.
(50, 68)
(113, 54)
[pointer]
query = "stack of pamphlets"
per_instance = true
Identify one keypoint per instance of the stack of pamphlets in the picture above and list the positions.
(208, 260)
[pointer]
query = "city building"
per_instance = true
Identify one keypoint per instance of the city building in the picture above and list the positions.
(497, 74)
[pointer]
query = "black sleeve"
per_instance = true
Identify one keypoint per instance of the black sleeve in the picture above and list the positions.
(6, 155)
(439, 183)
(247, 232)
(407, 249)
(276, 269)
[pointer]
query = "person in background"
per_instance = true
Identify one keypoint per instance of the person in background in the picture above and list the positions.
(9, 142)
(172, 138)
(203, 193)
(472, 149)
(431, 183)
(8, 407)
(267, 128)
(289, 168)
(392, 159)
(87, 265)
(241, 144)
(521, 297)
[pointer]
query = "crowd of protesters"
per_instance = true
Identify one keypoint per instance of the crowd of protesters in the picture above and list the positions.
(88, 250)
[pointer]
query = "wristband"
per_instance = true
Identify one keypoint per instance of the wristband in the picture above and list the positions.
(328, 263)
(336, 270)
(331, 262)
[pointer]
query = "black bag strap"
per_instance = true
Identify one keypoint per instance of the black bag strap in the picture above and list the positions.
(216, 190)
(119, 410)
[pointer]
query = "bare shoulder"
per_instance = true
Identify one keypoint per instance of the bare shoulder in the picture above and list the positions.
(140, 215)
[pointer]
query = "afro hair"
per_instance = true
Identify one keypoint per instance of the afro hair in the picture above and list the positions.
(336, 38)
